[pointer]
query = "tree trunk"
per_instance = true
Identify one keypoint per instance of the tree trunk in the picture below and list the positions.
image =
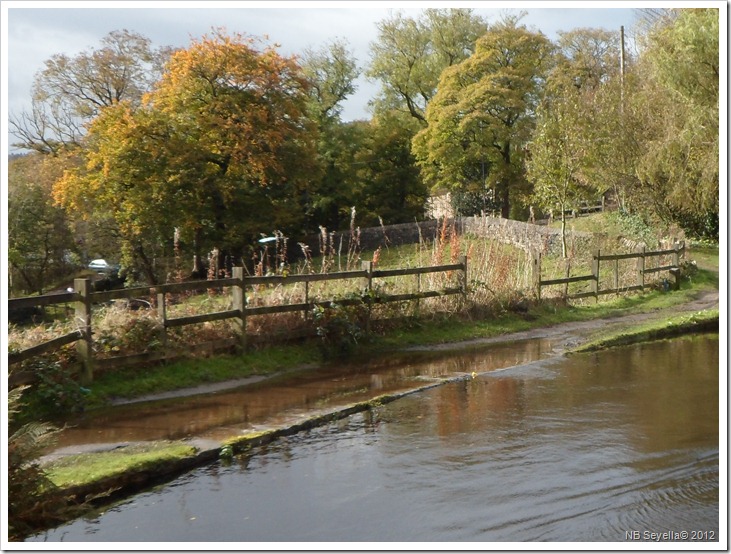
(147, 266)
(563, 233)
(198, 271)
(505, 184)
(505, 207)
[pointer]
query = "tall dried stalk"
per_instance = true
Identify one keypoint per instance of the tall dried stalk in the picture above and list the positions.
(353, 243)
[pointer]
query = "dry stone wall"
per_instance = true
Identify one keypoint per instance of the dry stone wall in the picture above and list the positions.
(526, 236)
(370, 238)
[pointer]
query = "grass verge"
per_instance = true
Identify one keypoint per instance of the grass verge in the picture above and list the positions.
(706, 320)
(546, 314)
(82, 469)
(192, 372)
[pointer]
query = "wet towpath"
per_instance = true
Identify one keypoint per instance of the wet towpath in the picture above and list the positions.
(213, 413)
(280, 400)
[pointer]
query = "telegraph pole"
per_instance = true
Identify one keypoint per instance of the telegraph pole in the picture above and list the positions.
(621, 67)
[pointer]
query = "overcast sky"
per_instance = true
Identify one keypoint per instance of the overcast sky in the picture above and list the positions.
(38, 30)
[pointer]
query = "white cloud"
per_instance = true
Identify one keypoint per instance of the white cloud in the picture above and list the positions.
(37, 33)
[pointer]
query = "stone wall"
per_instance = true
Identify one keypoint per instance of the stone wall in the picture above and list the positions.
(526, 236)
(371, 238)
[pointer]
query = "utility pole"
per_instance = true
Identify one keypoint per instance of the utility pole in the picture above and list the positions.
(621, 100)
(621, 67)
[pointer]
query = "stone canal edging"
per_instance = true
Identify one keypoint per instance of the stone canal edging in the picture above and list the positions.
(135, 480)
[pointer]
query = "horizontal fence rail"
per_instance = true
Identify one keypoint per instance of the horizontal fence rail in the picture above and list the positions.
(53, 344)
(594, 278)
(83, 300)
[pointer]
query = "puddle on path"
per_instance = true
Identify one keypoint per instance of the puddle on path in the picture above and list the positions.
(288, 397)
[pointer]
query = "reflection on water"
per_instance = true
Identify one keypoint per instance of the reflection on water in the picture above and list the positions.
(589, 448)
(276, 401)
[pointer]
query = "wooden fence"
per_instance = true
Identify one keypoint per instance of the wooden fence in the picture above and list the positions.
(83, 298)
(594, 278)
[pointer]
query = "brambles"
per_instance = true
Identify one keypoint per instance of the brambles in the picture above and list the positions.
(339, 327)
(121, 330)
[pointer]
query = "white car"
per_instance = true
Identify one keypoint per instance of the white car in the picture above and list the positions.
(101, 265)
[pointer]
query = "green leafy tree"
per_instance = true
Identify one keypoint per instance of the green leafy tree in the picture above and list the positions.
(483, 115)
(331, 72)
(558, 156)
(410, 54)
(39, 235)
(588, 58)
(390, 186)
(679, 168)
(575, 150)
(335, 192)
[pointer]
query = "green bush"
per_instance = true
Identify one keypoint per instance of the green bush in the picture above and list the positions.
(340, 328)
(56, 389)
(33, 500)
(634, 226)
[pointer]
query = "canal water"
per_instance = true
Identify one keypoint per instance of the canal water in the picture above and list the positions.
(610, 446)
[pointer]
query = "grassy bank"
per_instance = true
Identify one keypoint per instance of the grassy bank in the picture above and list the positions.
(185, 373)
(79, 470)
(665, 328)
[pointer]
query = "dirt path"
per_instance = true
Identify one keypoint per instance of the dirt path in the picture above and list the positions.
(578, 332)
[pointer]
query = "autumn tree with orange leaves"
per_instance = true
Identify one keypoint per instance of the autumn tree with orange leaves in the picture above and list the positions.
(221, 150)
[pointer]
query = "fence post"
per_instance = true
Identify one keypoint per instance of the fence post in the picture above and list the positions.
(595, 273)
(418, 290)
(368, 268)
(463, 261)
(676, 264)
(537, 274)
(84, 347)
(163, 316)
(641, 268)
(616, 276)
(676, 254)
(238, 294)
